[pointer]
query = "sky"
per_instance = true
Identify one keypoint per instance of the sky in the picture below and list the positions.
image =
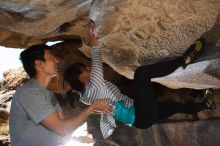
(9, 59)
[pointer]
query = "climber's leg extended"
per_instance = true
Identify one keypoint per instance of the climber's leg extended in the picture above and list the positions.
(144, 98)
(167, 109)
(167, 67)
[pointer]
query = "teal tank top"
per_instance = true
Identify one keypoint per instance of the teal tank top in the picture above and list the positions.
(124, 114)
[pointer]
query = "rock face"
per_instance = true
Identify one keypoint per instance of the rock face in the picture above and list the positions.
(14, 77)
(171, 134)
(5, 99)
(200, 75)
(144, 32)
(25, 16)
(135, 33)
(203, 74)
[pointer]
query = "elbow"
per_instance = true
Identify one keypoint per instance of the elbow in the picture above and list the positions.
(62, 132)
(61, 129)
(65, 131)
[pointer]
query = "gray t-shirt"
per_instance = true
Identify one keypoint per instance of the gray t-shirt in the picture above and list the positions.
(31, 104)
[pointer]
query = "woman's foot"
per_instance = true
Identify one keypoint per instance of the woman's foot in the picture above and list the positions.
(194, 51)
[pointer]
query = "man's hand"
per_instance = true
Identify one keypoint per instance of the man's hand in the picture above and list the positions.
(102, 107)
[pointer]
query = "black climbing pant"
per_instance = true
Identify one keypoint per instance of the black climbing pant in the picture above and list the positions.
(147, 110)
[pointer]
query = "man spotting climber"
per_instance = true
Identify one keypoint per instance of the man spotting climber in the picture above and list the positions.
(35, 116)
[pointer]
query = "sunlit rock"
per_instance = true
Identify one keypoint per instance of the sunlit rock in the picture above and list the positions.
(13, 78)
(39, 18)
(144, 32)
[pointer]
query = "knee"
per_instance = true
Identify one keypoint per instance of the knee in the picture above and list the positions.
(143, 124)
(138, 71)
(141, 72)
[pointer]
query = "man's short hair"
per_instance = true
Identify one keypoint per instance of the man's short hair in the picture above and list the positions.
(30, 55)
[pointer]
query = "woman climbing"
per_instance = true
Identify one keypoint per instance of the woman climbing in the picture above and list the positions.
(143, 111)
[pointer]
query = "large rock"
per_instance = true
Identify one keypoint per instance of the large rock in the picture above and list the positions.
(200, 75)
(5, 99)
(144, 32)
(39, 18)
(16, 40)
(205, 73)
(134, 33)
(200, 133)
(14, 78)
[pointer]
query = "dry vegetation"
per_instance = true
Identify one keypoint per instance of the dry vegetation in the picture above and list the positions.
(1, 84)
(4, 125)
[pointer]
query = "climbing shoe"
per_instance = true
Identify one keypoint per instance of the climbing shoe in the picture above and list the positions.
(194, 51)
(209, 95)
